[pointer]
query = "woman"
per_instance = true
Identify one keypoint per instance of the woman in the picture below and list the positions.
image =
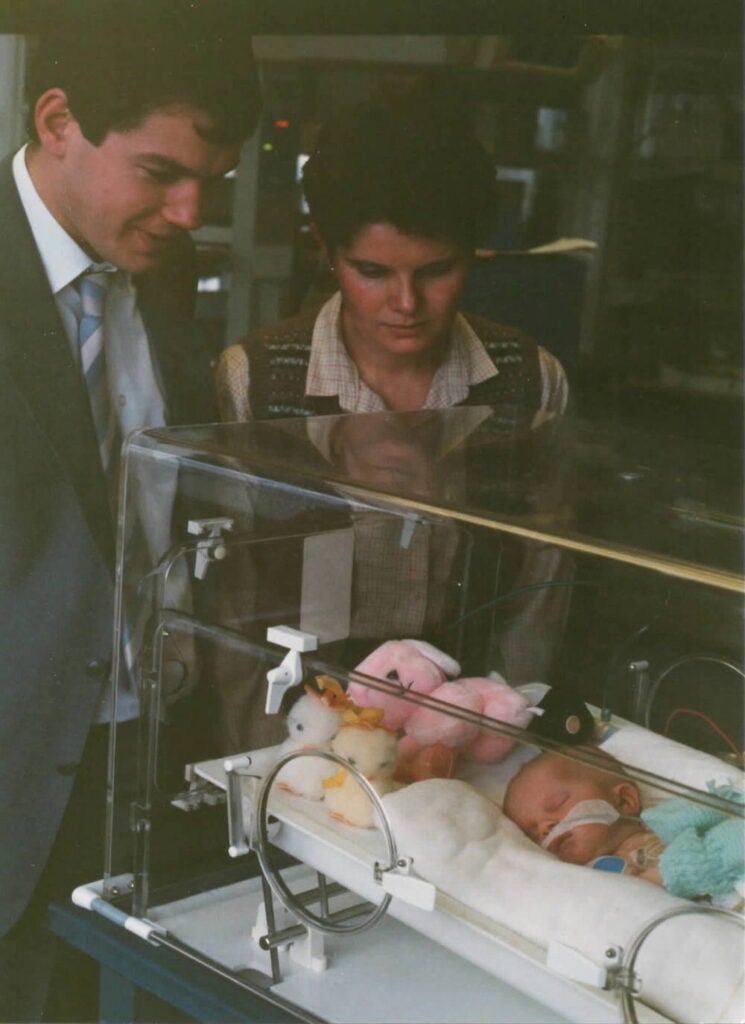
(400, 194)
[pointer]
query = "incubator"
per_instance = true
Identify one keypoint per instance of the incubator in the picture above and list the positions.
(348, 641)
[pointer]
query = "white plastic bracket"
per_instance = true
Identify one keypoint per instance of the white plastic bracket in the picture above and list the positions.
(407, 530)
(610, 974)
(399, 882)
(212, 548)
(308, 950)
(571, 963)
(290, 670)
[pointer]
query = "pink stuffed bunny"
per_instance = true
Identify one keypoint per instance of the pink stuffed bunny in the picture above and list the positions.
(432, 739)
(412, 665)
(493, 698)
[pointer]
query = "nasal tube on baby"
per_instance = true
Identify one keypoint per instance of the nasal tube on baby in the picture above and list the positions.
(586, 812)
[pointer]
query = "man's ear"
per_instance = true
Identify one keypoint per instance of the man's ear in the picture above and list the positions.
(53, 121)
(626, 799)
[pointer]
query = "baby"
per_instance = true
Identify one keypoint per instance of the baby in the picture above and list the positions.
(589, 815)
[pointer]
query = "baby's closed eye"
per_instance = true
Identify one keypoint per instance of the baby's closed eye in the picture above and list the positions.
(556, 801)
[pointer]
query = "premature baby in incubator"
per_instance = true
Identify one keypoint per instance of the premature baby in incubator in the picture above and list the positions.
(588, 815)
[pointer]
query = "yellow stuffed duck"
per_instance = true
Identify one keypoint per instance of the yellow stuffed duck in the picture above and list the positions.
(372, 749)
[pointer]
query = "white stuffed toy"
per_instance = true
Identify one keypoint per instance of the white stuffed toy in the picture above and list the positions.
(312, 723)
(412, 666)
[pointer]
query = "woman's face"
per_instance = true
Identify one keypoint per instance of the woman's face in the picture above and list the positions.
(400, 292)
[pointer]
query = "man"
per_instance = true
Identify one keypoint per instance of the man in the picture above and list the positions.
(129, 130)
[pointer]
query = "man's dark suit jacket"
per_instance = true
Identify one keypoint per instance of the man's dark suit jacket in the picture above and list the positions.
(56, 538)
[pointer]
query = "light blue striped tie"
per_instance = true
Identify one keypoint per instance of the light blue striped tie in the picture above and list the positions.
(92, 287)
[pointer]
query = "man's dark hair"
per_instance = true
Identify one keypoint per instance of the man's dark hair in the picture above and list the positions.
(116, 71)
(409, 160)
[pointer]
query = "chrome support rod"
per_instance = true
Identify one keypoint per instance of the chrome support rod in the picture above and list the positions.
(297, 930)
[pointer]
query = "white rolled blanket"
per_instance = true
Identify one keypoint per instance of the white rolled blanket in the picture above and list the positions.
(637, 746)
(692, 967)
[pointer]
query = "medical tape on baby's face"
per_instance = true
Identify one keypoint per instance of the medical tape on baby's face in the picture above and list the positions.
(586, 812)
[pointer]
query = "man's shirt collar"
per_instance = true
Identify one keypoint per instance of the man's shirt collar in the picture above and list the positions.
(62, 257)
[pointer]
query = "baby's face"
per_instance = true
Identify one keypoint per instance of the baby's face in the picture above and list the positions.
(542, 795)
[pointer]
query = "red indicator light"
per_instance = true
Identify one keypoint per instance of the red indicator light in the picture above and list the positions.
(281, 124)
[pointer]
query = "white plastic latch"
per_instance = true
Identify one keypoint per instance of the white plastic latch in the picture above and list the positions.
(399, 882)
(212, 548)
(290, 670)
(407, 531)
(571, 964)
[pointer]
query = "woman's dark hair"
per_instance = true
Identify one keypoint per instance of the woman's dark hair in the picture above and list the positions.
(116, 70)
(412, 161)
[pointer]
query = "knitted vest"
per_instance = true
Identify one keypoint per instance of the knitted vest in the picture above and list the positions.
(279, 355)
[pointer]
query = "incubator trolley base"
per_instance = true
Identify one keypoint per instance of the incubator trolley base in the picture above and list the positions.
(390, 974)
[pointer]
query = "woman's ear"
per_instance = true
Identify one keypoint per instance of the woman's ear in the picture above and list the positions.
(626, 799)
(53, 121)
